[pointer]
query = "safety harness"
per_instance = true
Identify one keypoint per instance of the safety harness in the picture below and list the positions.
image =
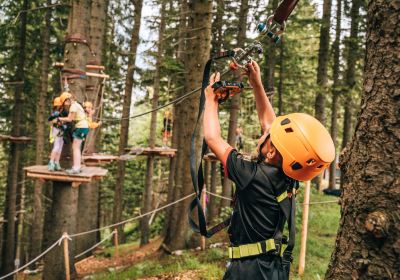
(279, 244)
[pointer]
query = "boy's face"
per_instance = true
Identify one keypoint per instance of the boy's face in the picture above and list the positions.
(269, 151)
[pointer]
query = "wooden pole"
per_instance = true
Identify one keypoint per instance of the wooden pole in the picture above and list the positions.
(304, 225)
(203, 204)
(116, 250)
(20, 226)
(66, 258)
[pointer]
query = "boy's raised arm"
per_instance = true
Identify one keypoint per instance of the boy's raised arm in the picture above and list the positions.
(265, 111)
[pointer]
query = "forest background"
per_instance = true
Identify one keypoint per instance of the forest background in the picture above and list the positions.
(317, 69)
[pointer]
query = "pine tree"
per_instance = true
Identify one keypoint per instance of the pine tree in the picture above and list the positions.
(368, 238)
(65, 198)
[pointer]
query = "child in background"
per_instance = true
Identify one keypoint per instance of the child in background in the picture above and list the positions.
(56, 136)
(77, 116)
(167, 128)
(88, 106)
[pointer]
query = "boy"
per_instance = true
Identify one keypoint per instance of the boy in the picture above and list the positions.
(256, 224)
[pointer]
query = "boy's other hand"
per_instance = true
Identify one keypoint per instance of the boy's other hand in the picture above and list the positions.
(209, 92)
(254, 74)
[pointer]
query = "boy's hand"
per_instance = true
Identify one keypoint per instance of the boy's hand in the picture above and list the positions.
(209, 92)
(254, 74)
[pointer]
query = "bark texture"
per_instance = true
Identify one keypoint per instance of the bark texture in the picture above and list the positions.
(126, 106)
(65, 198)
(367, 244)
(335, 90)
(37, 217)
(147, 195)
(9, 228)
(322, 70)
(89, 193)
(353, 50)
(323, 54)
(198, 50)
(174, 187)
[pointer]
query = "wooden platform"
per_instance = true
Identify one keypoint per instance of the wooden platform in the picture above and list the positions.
(87, 175)
(16, 139)
(98, 159)
(156, 151)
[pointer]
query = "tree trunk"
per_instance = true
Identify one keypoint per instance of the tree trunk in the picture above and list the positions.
(124, 131)
(65, 197)
(367, 244)
(212, 208)
(281, 78)
(147, 195)
(353, 49)
(198, 51)
(174, 188)
(36, 235)
(235, 101)
(335, 90)
(322, 70)
(323, 55)
(217, 36)
(89, 193)
(9, 228)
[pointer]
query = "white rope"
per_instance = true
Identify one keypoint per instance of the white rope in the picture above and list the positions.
(66, 236)
(321, 202)
(220, 196)
(95, 245)
(58, 242)
(316, 202)
(134, 218)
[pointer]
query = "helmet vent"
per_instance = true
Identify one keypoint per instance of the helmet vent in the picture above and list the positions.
(285, 121)
(289, 129)
(296, 166)
(311, 161)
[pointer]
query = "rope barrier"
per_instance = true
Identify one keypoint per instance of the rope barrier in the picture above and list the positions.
(133, 218)
(69, 237)
(58, 242)
(95, 245)
(311, 203)
(220, 196)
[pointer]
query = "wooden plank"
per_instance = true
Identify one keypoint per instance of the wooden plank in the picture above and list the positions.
(14, 138)
(157, 151)
(87, 175)
(88, 66)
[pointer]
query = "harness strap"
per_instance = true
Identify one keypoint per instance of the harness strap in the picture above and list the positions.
(197, 173)
(284, 10)
(254, 249)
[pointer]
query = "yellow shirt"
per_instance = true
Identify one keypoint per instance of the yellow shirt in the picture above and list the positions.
(80, 115)
(92, 124)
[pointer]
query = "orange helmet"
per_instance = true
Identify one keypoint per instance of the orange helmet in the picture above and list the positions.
(57, 102)
(88, 104)
(64, 96)
(305, 145)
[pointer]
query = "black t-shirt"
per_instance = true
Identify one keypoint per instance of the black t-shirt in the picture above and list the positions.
(256, 211)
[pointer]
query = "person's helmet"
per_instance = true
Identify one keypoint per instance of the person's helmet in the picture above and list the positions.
(57, 102)
(64, 96)
(88, 104)
(304, 143)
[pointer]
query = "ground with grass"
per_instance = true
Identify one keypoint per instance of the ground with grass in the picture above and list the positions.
(148, 264)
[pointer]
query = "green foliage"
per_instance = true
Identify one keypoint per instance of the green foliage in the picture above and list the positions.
(210, 264)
